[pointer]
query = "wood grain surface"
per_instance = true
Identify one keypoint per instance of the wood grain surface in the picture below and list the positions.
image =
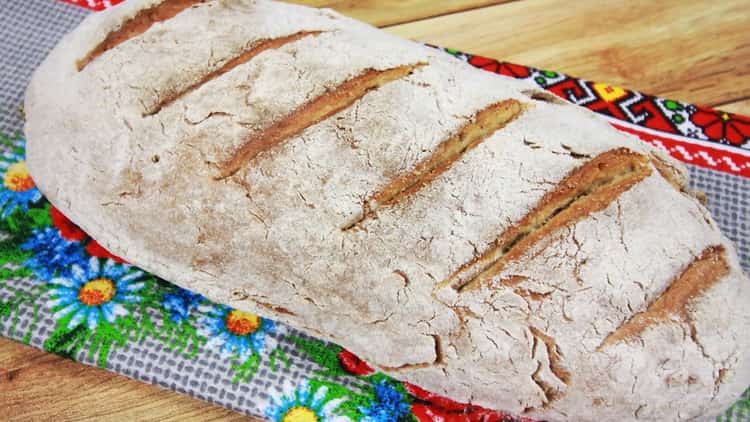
(38, 386)
(389, 12)
(739, 107)
(692, 50)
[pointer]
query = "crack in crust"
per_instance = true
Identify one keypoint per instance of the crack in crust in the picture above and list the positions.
(555, 356)
(439, 359)
(705, 271)
(312, 113)
(137, 25)
(482, 125)
(587, 189)
(544, 96)
(551, 393)
(275, 308)
(669, 173)
(243, 57)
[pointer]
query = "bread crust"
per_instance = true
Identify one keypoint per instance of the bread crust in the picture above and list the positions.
(132, 147)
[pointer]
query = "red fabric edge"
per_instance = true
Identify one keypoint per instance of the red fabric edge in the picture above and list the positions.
(700, 155)
(95, 5)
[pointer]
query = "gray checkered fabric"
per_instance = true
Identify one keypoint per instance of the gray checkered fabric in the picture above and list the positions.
(729, 203)
(206, 376)
(28, 30)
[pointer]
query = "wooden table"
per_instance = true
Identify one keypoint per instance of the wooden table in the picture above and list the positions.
(692, 50)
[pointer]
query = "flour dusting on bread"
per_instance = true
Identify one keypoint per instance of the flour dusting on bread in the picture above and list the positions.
(459, 230)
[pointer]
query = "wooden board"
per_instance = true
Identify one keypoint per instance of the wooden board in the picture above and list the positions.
(692, 50)
(389, 12)
(35, 385)
(740, 107)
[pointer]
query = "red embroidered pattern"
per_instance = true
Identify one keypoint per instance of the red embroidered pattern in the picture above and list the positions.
(94, 4)
(696, 135)
(725, 160)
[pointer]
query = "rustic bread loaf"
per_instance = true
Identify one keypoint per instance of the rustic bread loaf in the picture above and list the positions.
(459, 230)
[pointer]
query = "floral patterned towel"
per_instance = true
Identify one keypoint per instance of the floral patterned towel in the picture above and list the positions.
(61, 291)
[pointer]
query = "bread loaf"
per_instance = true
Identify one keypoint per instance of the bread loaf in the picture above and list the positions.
(462, 231)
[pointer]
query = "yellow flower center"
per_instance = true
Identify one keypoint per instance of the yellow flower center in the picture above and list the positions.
(299, 414)
(17, 177)
(242, 323)
(97, 292)
(724, 117)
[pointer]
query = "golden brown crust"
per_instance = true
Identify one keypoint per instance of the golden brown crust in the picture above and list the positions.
(484, 123)
(705, 271)
(668, 172)
(139, 24)
(311, 113)
(244, 57)
(588, 189)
